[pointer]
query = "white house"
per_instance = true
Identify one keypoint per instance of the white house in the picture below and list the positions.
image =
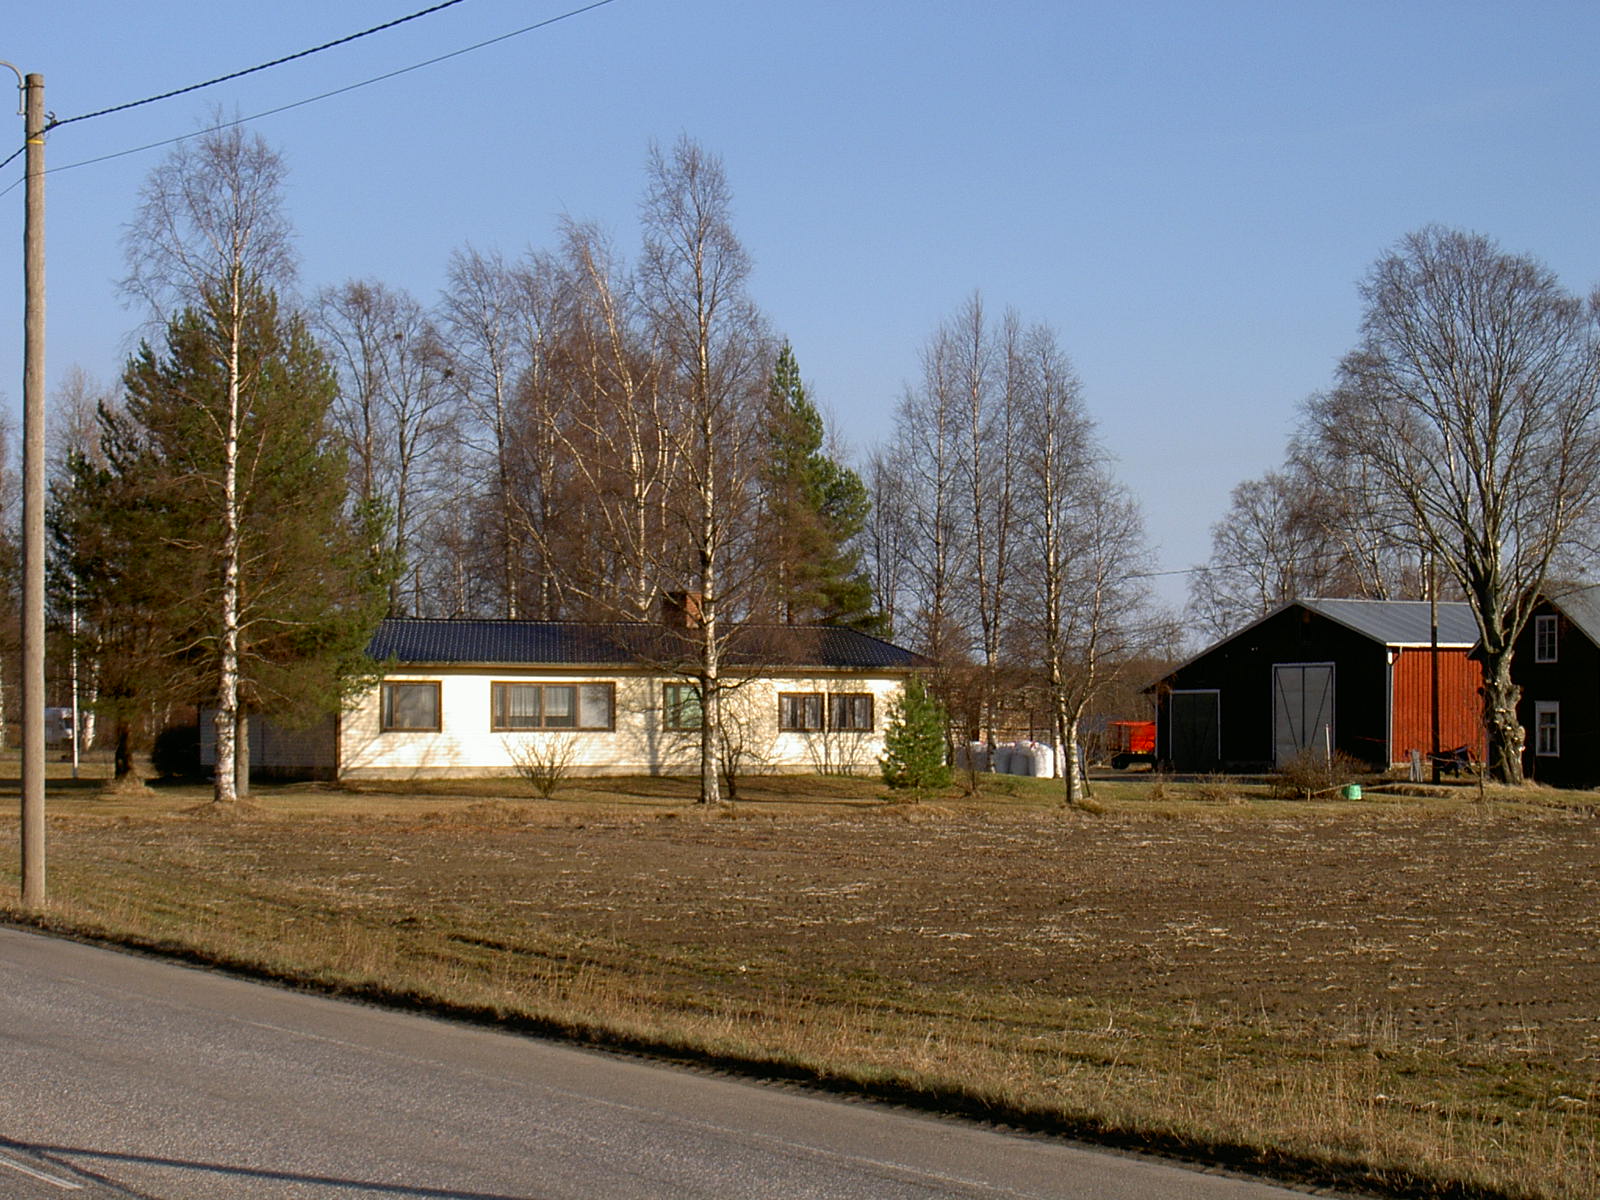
(462, 698)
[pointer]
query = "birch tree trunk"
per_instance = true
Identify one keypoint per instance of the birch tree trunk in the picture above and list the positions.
(210, 238)
(225, 788)
(693, 277)
(241, 766)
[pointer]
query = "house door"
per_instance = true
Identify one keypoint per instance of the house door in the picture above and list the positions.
(1302, 709)
(1195, 741)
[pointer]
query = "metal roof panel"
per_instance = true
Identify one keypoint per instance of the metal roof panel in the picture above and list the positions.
(1401, 622)
(628, 643)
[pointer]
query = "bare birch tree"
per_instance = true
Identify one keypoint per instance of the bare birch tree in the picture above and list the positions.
(210, 235)
(397, 414)
(1368, 546)
(481, 323)
(616, 435)
(1474, 397)
(886, 540)
(693, 277)
(1081, 599)
(988, 365)
(1318, 527)
(542, 503)
(1262, 556)
(926, 461)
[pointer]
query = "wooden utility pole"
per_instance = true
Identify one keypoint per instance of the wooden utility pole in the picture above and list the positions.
(33, 893)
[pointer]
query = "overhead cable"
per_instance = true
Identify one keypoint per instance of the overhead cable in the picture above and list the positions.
(277, 62)
(311, 99)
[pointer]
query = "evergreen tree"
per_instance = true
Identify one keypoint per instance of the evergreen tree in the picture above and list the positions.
(143, 535)
(914, 741)
(97, 543)
(816, 510)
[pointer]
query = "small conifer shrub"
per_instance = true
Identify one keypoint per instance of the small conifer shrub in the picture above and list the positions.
(914, 742)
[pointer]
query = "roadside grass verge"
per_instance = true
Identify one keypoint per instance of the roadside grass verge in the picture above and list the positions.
(1277, 986)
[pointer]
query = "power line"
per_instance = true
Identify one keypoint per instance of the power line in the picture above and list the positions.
(1317, 558)
(277, 62)
(575, 12)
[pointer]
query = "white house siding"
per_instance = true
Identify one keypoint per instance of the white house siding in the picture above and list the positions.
(465, 745)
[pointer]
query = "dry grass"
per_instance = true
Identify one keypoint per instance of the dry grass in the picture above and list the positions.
(1399, 993)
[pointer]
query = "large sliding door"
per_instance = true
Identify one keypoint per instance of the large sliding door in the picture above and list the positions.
(1302, 709)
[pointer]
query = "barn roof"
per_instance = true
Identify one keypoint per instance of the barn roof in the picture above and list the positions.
(1581, 606)
(1401, 622)
(628, 643)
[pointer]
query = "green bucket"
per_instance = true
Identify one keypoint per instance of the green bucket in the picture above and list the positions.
(1352, 791)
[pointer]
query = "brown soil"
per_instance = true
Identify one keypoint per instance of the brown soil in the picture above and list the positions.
(1484, 930)
(1461, 927)
(1400, 994)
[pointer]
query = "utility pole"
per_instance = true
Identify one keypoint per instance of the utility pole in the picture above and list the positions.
(33, 892)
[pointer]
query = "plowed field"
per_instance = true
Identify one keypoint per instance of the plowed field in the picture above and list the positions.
(1395, 990)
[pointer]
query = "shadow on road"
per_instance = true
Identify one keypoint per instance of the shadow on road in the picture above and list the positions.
(64, 1156)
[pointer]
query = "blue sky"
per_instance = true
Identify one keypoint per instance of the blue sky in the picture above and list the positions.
(1187, 193)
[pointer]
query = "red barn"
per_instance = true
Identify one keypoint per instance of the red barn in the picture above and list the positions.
(1351, 675)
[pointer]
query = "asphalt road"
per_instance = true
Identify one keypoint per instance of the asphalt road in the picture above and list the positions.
(120, 1075)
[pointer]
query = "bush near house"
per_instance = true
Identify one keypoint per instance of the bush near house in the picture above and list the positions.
(914, 742)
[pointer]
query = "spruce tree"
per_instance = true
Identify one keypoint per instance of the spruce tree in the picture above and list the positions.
(816, 510)
(914, 741)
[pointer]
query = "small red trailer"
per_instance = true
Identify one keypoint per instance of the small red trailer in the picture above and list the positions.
(1131, 742)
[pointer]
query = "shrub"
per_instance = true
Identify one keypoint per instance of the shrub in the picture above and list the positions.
(914, 742)
(544, 760)
(176, 752)
(1217, 789)
(1311, 772)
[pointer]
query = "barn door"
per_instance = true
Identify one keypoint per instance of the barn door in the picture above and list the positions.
(1195, 743)
(1302, 709)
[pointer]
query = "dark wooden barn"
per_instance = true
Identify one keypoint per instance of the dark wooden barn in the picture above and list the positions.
(1351, 675)
(1556, 663)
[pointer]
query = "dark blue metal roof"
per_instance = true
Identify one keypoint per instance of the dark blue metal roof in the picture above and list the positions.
(628, 643)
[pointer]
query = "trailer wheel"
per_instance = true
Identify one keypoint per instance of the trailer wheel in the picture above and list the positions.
(1119, 762)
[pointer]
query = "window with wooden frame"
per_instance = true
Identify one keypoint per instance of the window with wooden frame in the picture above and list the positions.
(850, 712)
(680, 706)
(1547, 728)
(800, 712)
(410, 707)
(589, 706)
(1544, 639)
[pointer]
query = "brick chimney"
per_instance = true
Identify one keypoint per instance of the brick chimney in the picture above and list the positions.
(681, 610)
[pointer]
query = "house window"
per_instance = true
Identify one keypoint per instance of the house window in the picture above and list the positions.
(680, 706)
(799, 712)
(1544, 639)
(850, 712)
(410, 707)
(1547, 728)
(552, 706)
